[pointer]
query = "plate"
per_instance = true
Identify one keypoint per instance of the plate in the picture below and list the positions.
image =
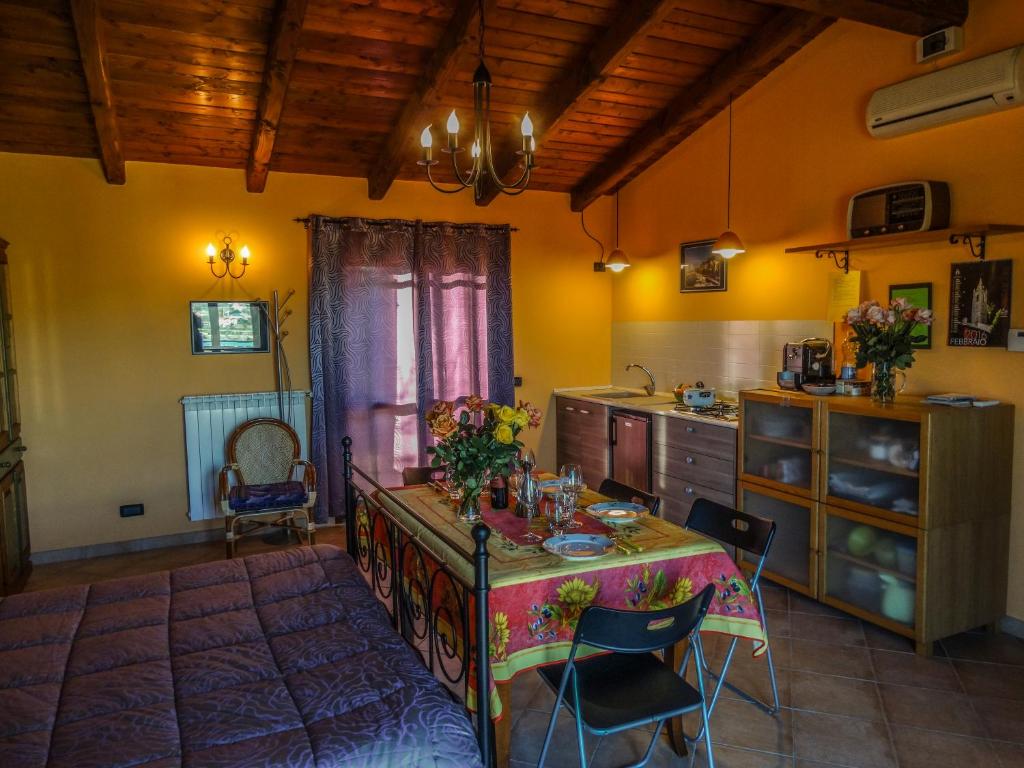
(551, 487)
(617, 511)
(814, 389)
(579, 546)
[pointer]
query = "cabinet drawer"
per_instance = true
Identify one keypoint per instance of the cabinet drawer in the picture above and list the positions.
(710, 439)
(695, 467)
(677, 496)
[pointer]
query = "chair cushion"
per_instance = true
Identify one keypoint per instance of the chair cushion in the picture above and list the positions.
(621, 690)
(253, 498)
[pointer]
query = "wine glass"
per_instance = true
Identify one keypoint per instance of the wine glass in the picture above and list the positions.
(530, 495)
(571, 480)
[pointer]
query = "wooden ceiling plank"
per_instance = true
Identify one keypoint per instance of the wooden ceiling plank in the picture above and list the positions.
(284, 43)
(91, 46)
(457, 34)
(912, 17)
(697, 104)
(635, 22)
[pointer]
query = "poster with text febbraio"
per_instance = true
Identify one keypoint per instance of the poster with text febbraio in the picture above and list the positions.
(979, 303)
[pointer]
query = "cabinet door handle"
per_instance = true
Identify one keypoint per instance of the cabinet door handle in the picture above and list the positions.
(690, 460)
(569, 408)
(688, 490)
(5, 465)
(691, 429)
(585, 413)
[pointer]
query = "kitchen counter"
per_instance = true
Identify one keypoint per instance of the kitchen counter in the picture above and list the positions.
(660, 403)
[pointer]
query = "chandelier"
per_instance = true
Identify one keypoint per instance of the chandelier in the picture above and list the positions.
(481, 158)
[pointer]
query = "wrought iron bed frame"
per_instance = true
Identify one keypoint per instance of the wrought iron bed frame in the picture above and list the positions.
(407, 593)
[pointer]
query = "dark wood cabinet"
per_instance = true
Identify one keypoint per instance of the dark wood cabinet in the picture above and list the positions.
(692, 459)
(582, 438)
(14, 539)
(631, 450)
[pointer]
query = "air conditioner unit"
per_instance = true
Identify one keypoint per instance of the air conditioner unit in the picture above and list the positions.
(965, 90)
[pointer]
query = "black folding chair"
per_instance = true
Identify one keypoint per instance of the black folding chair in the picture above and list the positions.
(613, 489)
(630, 687)
(753, 535)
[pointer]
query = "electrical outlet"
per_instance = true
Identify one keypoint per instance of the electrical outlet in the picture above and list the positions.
(133, 510)
(941, 43)
(1015, 341)
(517, 381)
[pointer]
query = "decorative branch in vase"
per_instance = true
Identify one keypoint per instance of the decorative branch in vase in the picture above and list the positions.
(885, 338)
(480, 440)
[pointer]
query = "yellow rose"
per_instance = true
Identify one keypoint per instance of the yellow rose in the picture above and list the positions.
(522, 418)
(503, 434)
(506, 414)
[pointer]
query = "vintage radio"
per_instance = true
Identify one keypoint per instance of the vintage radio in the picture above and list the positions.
(806, 362)
(914, 206)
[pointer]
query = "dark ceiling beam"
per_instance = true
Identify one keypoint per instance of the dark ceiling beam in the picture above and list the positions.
(277, 72)
(738, 69)
(461, 30)
(912, 17)
(92, 51)
(581, 82)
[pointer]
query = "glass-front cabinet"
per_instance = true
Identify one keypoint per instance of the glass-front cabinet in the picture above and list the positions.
(777, 443)
(869, 566)
(872, 464)
(791, 558)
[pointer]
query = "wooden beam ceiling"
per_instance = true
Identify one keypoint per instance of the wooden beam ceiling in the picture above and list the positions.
(774, 42)
(913, 17)
(284, 43)
(92, 50)
(581, 82)
(459, 32)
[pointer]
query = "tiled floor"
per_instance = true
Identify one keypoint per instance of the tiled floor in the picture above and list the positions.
(852, 694)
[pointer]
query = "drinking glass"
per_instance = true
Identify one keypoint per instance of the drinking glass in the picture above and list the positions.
(527, 460)
(571, 477)
(530, 495)
(560, 513)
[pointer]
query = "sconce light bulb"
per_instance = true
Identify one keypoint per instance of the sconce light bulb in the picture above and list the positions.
(426, 139)
(527, 125)
(211, 251)
(453, 123)
(244, 253)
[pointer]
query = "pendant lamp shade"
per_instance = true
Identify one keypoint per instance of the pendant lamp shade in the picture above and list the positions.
(617, 260)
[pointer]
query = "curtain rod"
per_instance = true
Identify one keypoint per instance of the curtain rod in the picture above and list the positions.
(305, 220)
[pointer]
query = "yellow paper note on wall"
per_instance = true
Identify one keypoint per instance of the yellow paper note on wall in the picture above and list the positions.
(843, 294)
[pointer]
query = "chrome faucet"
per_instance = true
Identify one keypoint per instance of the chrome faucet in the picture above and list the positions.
(648, 388)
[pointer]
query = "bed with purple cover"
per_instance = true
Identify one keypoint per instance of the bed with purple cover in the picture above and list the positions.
(279, 659)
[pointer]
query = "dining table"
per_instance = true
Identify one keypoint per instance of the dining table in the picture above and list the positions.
(536, 597)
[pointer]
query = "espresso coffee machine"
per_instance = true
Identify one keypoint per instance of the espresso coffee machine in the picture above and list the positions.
(806, 362)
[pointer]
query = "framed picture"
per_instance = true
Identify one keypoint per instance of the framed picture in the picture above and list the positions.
(979, 303)
(229, 327)
(700, 270)
(918, 295)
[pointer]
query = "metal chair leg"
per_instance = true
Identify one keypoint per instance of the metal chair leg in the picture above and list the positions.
(554, 719)
(771, 661)
(229, 535)
(579, 721)
(704, 711)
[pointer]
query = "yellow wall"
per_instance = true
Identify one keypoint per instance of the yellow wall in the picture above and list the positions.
(800, 150)
(102, 276)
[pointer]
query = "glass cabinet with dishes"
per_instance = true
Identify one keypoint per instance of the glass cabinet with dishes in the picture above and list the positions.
(899, 513)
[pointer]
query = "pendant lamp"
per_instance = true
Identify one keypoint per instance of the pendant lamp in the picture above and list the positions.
(617, 260)
(728, 243)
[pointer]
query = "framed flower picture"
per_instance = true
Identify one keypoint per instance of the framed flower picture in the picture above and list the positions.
(700, 270)
(918, 295)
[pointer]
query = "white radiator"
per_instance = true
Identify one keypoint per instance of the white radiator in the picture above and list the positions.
(209, 421)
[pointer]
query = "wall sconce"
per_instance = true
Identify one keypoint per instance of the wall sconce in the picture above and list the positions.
(227, 255)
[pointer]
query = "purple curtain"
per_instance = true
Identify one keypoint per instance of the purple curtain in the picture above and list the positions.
(401, 314)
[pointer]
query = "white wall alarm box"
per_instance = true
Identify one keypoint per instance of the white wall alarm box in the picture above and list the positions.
(941, 43)
(1015, 341)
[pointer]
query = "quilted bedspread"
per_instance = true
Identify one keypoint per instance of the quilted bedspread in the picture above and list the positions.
(280, 659)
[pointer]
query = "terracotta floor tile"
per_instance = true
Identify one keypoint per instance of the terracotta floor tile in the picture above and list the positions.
(826, 629)
(843, 741)
(1003, 718)
(628, 747)
(803, 604)
(1010, 755)
(911, 669)
(778, 623)
(984, 679)
(917, 748)
(737, 723)
(847, 661)
(924, 708)
(982, 646)
(528, 738)
(883, 639)
(775, 598)
(835, 695)
(731, 757)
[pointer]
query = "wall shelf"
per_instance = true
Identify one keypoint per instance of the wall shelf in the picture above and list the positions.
(974, 237)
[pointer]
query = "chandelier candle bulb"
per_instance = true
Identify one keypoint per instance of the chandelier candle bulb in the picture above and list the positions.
(427, 142)
(453, 131)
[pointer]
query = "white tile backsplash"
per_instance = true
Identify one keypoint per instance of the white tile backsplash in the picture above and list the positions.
(729, 355)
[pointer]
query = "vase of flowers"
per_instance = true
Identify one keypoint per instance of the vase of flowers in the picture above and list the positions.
(884, 339)
(475, 441)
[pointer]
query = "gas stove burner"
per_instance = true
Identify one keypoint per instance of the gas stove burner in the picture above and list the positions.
(720, 410)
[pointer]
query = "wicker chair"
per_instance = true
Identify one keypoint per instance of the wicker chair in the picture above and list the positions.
(264, 455)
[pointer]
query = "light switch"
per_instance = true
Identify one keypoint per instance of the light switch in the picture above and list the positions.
(1015, 341)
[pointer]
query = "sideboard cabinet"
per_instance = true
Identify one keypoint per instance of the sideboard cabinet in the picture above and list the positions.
(897, 513)
(14, 540)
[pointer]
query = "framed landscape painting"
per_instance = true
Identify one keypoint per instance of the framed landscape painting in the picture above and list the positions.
(700, 270)
(919, 295)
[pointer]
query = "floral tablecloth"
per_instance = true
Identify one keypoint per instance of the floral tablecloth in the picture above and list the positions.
(536, 597)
